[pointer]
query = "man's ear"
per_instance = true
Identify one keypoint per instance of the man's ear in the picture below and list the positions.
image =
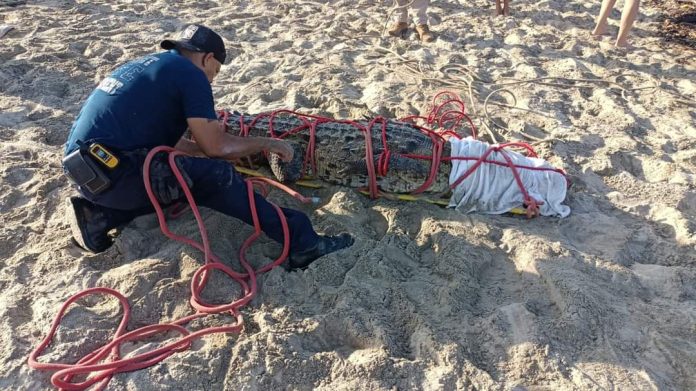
(208, 57)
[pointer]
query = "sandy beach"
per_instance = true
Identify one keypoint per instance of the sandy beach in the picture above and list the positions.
(427, 297)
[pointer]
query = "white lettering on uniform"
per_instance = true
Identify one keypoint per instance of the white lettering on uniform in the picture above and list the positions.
(133, 71)
(110, 85)
(148, 60)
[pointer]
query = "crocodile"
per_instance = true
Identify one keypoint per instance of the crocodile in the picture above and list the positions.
(340, 151)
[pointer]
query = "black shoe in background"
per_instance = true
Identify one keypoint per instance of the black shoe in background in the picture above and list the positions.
(89, 224)
(325, 245)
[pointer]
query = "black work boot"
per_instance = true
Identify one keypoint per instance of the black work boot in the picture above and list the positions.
(325, 245)
(89, 224)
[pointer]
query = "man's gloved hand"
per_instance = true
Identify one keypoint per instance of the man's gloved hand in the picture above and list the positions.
(163, 181)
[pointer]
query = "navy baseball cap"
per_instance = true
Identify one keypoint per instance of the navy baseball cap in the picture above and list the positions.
(198, 38)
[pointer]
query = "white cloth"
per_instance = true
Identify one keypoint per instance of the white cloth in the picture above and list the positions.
(492, 188)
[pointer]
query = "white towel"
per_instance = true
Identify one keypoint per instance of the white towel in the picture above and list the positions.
(492, 188)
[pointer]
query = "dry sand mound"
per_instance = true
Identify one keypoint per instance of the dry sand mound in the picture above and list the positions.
(427, 298)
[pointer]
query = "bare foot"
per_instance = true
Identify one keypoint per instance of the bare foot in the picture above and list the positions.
(622, 44)
(618, 51)
(599, 31)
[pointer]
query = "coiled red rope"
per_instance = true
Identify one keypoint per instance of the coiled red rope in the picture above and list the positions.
(106, 361)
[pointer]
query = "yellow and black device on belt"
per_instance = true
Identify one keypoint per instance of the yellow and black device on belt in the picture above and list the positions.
(103, 155)
(84, 166)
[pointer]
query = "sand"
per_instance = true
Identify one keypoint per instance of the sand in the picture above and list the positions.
(427, 298)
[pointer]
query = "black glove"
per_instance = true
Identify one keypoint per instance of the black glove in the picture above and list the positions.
(163, 181)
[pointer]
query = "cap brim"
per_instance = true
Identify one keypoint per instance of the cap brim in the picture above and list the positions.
(169, 44)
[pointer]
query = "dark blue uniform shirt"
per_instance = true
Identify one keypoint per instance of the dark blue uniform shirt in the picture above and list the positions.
(144, 103)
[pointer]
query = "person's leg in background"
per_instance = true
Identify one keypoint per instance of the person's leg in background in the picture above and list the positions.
(421, 8)
(400, 24)
(498, 7)
(506, 7)
(628, 16)
(601, 27)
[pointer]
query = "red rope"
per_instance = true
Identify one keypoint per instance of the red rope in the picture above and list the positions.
(106, 361)
(445, 117)
(532, 204)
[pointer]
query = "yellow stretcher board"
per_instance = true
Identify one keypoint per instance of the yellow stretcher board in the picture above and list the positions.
(390, 196)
